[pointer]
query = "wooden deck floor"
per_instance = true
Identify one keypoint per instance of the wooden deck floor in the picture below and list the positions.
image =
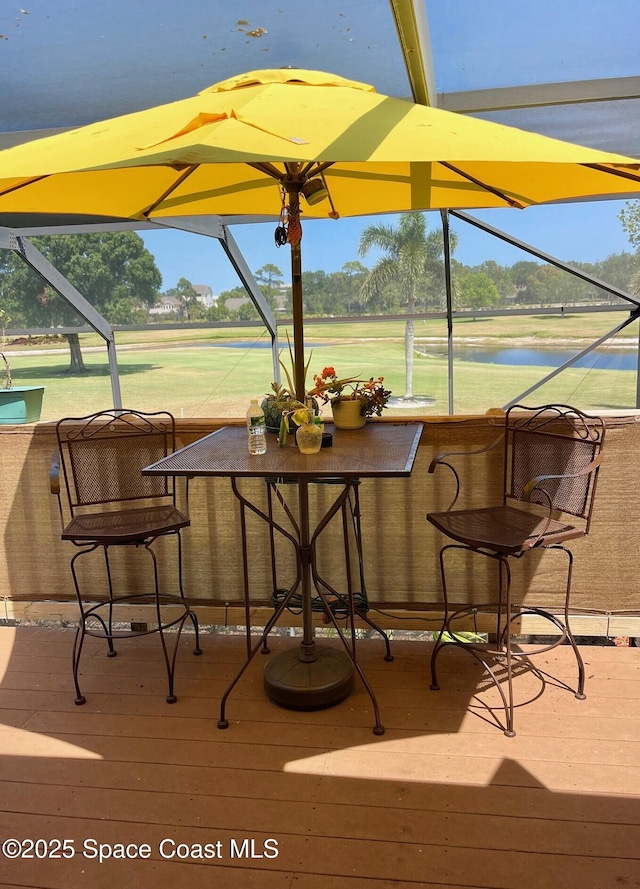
(443, 799)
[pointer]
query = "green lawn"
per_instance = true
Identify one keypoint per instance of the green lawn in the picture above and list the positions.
(541, 327)
(201, 381)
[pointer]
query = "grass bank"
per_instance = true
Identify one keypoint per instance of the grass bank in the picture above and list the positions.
(201, 381)
(582, 328)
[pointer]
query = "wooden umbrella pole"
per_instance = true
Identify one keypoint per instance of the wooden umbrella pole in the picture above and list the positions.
(308, 651)
(298, 331)
(296, 291)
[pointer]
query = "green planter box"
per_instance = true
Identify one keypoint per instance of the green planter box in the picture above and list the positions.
(21, 404)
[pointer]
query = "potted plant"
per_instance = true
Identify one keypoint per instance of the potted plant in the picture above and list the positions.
(278, 402)
(352, 399)
(281, 399)
(18, 404)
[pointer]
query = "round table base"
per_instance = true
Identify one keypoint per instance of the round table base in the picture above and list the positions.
(299, 684)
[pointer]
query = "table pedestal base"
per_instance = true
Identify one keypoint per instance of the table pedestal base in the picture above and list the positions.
(298, 681)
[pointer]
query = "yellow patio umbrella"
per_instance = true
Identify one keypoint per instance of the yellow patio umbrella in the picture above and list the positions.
(254, 143)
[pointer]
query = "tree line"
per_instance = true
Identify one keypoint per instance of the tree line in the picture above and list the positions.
(119, 276)
(409, 278)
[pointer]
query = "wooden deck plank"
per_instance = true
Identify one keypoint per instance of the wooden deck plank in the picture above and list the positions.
(334, 855)
(512, 792)
(305, 740)
(554, 717)
(401, 706)
(443, 799)
(345, 820)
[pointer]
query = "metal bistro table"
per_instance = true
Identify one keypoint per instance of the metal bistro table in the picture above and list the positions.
(312, 676)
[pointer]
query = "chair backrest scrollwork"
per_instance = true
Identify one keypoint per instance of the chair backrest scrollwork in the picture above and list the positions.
(102, 455)
(552, 457)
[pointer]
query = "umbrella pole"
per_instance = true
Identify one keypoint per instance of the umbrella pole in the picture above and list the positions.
(295, 236)
(311, 677)
(298, 329)
(299, 378)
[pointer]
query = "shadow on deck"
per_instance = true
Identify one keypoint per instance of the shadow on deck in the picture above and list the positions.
(289, 799)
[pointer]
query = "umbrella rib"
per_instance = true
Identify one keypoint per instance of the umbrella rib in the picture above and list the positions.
(269, 169)
(320, 168)
(510, 201)
(184, 175)
(625, 174)
(23, 184)
(293, 169)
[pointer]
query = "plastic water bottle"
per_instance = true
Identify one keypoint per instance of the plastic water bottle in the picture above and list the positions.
(256, 428)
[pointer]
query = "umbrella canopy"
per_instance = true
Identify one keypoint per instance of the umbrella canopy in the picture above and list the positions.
(252, 144)
(209, 155)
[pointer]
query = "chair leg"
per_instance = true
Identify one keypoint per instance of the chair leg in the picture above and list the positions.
(505, 596)
(106, 623)
(109, 634)
(192, 616)
(76, 654)
(563, 626)
(105, 626)
(439, 643)
(579, 693)
(447, 636)
(565, 633)
(434, 655)
(506, 615)
(169, 658)
(196, 628)
(81, 629)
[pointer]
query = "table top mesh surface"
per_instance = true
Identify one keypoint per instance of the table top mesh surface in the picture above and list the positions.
(378, 449)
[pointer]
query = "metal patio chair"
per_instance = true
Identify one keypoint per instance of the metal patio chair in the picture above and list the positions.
(108, 503)
(551, 460)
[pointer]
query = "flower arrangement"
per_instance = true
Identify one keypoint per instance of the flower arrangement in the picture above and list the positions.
(371, 393)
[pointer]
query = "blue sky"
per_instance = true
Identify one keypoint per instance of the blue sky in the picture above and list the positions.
(584, 232)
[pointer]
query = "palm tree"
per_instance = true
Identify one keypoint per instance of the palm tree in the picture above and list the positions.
(412, 260)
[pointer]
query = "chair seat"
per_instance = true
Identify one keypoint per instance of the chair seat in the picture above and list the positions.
(502, 529)
(128, 525)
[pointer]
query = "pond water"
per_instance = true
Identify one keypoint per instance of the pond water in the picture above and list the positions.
(599, 359)
(260, 344)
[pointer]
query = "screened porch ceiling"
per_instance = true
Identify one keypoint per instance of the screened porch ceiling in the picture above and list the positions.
(567, 70)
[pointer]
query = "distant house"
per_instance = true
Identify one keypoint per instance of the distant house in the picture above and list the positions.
(168, 305)
(205, 295)
(280, 297)
(171, 305)
(235, 302)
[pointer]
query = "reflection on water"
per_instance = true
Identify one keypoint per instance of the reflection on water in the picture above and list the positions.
(548, 356)
(599, 359)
